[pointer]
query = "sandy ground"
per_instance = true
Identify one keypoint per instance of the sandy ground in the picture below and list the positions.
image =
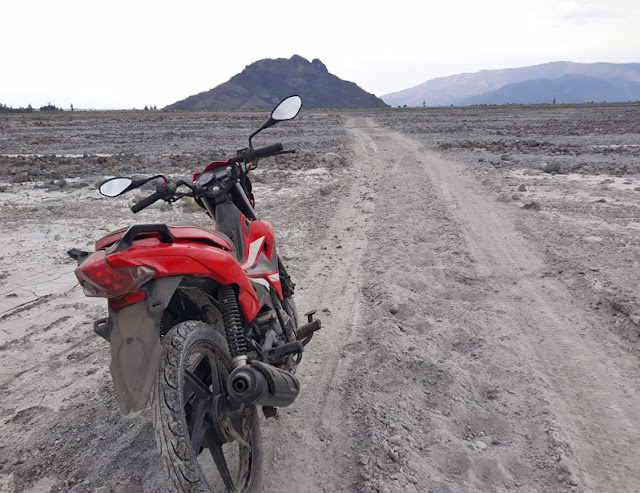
(475, 270)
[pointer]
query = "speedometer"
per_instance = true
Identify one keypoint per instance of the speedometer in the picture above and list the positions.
(205, 178)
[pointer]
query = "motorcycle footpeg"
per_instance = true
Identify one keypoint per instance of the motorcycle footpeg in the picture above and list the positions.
(280, 352)
(306, 330)
(78, 255)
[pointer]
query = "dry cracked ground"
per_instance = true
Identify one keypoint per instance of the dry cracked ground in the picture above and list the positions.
(475, 270)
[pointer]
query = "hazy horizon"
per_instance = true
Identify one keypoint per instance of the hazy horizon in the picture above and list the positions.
(150, 107)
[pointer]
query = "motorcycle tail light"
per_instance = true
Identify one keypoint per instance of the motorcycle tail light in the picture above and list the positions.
(128, 299)
(98, 278)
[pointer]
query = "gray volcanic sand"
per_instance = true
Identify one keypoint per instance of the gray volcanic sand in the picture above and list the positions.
(475, 270)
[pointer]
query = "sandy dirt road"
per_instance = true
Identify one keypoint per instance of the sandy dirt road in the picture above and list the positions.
(462, 348)
(528, 391)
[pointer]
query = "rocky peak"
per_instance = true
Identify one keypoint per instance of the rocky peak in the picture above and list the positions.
(318, 65)
(263, 83)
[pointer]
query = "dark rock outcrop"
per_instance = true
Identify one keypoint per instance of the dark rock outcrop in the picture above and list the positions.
(264, 83)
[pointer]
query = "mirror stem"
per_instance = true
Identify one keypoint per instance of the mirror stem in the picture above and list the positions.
(269, 123)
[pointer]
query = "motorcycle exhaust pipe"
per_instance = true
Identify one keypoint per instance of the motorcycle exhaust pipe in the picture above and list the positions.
(260, 384)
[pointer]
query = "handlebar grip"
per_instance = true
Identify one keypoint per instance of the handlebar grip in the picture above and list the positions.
(267, 151)
(146, 202)
(249, 155)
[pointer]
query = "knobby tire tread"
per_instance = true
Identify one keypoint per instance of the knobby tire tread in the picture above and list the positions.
(170, 433)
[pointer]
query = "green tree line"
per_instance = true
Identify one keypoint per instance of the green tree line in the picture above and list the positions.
(29, 109)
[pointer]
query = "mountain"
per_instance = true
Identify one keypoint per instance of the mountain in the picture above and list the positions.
(566, 89)
(264, 83)
(457, 89)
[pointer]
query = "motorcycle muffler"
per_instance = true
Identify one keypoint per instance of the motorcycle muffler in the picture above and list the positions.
(260, 384)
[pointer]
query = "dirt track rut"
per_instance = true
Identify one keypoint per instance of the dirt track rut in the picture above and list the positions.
(317, 451)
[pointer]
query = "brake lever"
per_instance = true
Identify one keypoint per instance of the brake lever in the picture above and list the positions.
(174, 197)
(177, 197)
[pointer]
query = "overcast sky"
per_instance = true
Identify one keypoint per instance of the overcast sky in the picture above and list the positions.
(132, 53)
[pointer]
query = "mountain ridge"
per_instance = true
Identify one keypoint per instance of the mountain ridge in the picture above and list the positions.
(460, 88)
(262, 84)
(571, 88)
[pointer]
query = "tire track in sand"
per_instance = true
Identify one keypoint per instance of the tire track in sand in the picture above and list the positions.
(309, 440)
(450, 361)
(572, 411)
(593, 395)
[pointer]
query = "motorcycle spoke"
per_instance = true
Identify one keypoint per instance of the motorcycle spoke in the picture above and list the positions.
(217, 379)
(195, 385)
(199, 427)
(221, 463)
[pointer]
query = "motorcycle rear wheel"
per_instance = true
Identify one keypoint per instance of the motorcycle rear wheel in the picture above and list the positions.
(208, 443)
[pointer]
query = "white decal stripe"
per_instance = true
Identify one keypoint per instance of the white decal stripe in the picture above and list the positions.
(259, 280)
(274, 277)
(254, 251)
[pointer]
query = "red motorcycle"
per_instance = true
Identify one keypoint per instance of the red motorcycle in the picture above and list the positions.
(202, 320)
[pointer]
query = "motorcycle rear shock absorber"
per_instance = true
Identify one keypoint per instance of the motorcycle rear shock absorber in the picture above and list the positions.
(233, 325)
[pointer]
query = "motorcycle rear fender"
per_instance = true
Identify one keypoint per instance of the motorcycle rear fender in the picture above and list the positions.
(191, 258)
(135, 345)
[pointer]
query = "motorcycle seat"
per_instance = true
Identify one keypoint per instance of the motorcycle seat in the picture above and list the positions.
(193, 231)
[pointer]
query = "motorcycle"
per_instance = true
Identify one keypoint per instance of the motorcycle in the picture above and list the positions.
(201, 322)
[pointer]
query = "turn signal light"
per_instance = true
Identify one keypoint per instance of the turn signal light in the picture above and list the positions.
(98, 278)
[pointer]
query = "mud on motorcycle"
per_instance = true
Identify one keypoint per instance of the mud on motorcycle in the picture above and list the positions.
(201, 321)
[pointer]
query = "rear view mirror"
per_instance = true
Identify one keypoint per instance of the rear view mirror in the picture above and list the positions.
(115, 186)
(287, 109)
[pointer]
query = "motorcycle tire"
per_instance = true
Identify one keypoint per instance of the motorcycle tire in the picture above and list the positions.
(198, 430)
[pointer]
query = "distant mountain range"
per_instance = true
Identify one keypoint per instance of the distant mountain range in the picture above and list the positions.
(264, 83)
(564, 82)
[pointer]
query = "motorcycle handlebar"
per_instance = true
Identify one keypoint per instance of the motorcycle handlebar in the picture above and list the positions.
(164, 191)
(258, 153)
(267, 151)
(146, 202)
